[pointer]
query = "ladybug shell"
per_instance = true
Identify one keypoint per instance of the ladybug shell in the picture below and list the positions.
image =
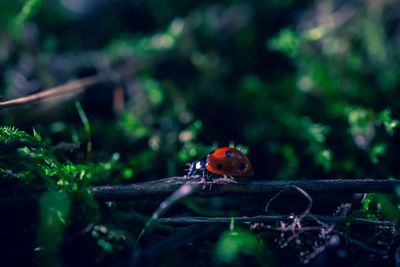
(229, 161)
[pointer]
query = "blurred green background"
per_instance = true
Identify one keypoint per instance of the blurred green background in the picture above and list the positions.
(306, 89)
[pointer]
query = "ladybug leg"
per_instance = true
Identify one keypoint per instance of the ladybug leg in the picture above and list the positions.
(203, 177)
(228, 176)
(190, 170)
(208, 185)
(228, 179)
(207, 181)
(187, 171)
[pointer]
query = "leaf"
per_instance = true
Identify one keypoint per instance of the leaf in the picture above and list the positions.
(232, 243)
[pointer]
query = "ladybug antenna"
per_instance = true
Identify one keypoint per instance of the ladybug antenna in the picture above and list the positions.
(189, 166)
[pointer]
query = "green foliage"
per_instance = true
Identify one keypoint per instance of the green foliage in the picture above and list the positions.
(9, 134)
(108, 239)
(144, 46)
(65, 203)
(39, 166)
(287, 41)
(316, 135)
(30, 8)
(314, 95)
(385, 117)
(376, 205)
(54, 209)
(86, 126)
(232, 243)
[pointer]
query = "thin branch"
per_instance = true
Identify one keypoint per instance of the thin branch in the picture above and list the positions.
(272, 218)
(73, 87)
(166, 186)
(310, 202)
(362, 245)
(184, 191)
(77, 86)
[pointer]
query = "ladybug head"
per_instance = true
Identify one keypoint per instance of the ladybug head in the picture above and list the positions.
(195, 167)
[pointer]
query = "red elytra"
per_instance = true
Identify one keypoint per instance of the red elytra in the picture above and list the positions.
(228, 161)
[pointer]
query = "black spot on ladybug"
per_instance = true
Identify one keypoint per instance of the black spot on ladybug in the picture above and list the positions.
(228, 153)
(219, 166)
(242, 166)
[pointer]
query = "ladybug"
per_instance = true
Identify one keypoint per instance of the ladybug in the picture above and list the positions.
(226, 161)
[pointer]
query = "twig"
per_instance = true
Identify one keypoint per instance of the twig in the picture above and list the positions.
(362, 245)
(275, 218)
(295, 226)
(272, 218)
(164, 187)
(69, 88)
(184, 191)
(75, 87)
(310, 202)
(167, 246)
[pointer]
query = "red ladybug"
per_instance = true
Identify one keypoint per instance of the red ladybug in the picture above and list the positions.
(227, 161)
